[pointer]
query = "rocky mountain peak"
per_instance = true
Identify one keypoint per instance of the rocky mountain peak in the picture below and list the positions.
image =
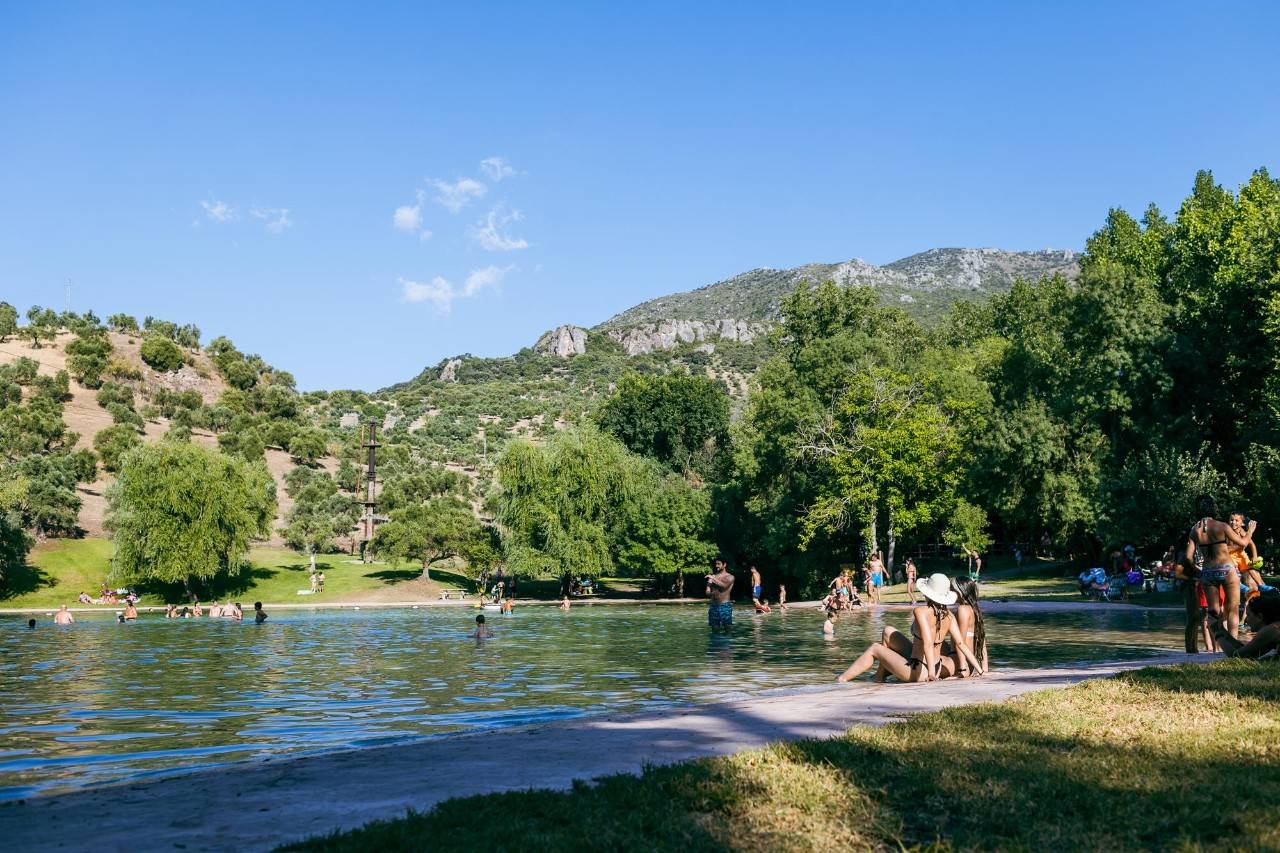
(563, 341)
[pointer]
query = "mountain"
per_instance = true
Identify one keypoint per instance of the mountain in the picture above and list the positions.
(925, 284)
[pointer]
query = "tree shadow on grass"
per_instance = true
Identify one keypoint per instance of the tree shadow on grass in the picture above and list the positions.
(223, 586)
(1132, 763)
(25, 579)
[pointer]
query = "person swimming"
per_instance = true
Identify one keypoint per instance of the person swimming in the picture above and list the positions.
(482, 630)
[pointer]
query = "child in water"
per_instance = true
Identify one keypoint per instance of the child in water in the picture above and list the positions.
(829, 627)
(482, 630)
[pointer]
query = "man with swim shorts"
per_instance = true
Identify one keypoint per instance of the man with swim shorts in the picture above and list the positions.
(719, 589)
(756, 587)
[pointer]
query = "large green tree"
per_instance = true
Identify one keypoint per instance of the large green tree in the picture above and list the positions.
(180, 512)
(680, 420)
(427, 532)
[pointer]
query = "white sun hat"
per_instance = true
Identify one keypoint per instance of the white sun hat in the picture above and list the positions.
(937, 587)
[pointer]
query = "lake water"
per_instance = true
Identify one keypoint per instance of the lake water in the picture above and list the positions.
(100, 701)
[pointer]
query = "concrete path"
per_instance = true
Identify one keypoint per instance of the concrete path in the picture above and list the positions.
(258, 805)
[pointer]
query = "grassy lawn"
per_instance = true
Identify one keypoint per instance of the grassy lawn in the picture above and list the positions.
(1163, 758)
(59, 570)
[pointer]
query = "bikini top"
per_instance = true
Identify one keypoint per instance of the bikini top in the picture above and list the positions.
(1203, 526)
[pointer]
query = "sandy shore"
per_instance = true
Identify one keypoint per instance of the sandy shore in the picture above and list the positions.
(259, 805)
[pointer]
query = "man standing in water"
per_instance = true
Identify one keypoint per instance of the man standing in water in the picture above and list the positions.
(719, 588)
(757, 588)
(63, 616)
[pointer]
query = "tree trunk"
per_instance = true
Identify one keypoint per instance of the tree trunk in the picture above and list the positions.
(426, 570)
(313, 562)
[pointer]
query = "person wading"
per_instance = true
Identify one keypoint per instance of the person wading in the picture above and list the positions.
(719, 589)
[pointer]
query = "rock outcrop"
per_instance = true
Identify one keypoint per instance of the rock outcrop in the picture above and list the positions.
(449, 373)
(669, 334)
(564, 341)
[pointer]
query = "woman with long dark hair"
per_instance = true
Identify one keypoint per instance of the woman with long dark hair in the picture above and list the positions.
(971, 626)
(1262, 615)
(931, 623)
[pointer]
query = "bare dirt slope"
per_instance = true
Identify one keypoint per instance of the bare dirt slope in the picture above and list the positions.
(84, 416)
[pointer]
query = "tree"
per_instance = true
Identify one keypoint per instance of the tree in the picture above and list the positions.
(967, 528)
(124, 323)
(87, 357)
(160, 353)
(307, 445)
(49, 504)
(319, 513)
(681, 421)
(42, 325)
(14, 542)
(439, 528)
(113, 443)
(180, 512)
(8, 321)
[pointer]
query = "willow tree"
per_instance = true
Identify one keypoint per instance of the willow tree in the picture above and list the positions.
(181, 512)
(556, 502)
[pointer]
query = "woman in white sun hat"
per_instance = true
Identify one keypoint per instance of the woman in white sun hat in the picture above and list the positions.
(931, 623)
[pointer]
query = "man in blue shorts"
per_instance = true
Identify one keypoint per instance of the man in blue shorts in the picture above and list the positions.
(719, 590)
(756, 587)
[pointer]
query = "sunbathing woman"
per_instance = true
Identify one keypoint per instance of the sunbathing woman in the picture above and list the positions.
(932, 622)
(972, 628)
(1262, 615)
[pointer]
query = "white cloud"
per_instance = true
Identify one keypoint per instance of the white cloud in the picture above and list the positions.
(458, 194)
(441, 292)
(484, 277)
(490, 232)
(438, 291)
(409, 218)
(496, 168)
(218, 211)
(276, 219)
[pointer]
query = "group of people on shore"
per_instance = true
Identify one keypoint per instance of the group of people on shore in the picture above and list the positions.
(1224, 588)
(234, 612)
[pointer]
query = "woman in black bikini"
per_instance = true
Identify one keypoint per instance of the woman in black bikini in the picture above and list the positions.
(931, 623)
(1210, 540)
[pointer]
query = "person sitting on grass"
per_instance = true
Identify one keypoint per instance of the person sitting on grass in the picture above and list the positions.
(920, 658)
(1262, 615)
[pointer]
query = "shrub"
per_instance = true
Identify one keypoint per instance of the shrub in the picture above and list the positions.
(113, 443)
(161, 354)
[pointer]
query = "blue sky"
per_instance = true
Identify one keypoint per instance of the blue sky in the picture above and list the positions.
(357, 191)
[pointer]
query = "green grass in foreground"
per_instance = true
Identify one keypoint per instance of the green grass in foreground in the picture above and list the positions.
(60, 569)
(1162, 758)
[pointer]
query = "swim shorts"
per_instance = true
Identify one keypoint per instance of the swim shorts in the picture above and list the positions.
(756, 590)
(720, 615)
(877, 579)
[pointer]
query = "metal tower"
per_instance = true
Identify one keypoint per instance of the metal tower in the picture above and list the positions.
(370, 519)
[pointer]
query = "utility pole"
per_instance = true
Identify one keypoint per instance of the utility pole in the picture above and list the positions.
(68, 295)
(370, 518)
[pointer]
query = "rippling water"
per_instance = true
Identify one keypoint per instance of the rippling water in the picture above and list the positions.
(99, 701)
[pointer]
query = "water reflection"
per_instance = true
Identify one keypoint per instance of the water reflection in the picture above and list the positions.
(101, 701)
